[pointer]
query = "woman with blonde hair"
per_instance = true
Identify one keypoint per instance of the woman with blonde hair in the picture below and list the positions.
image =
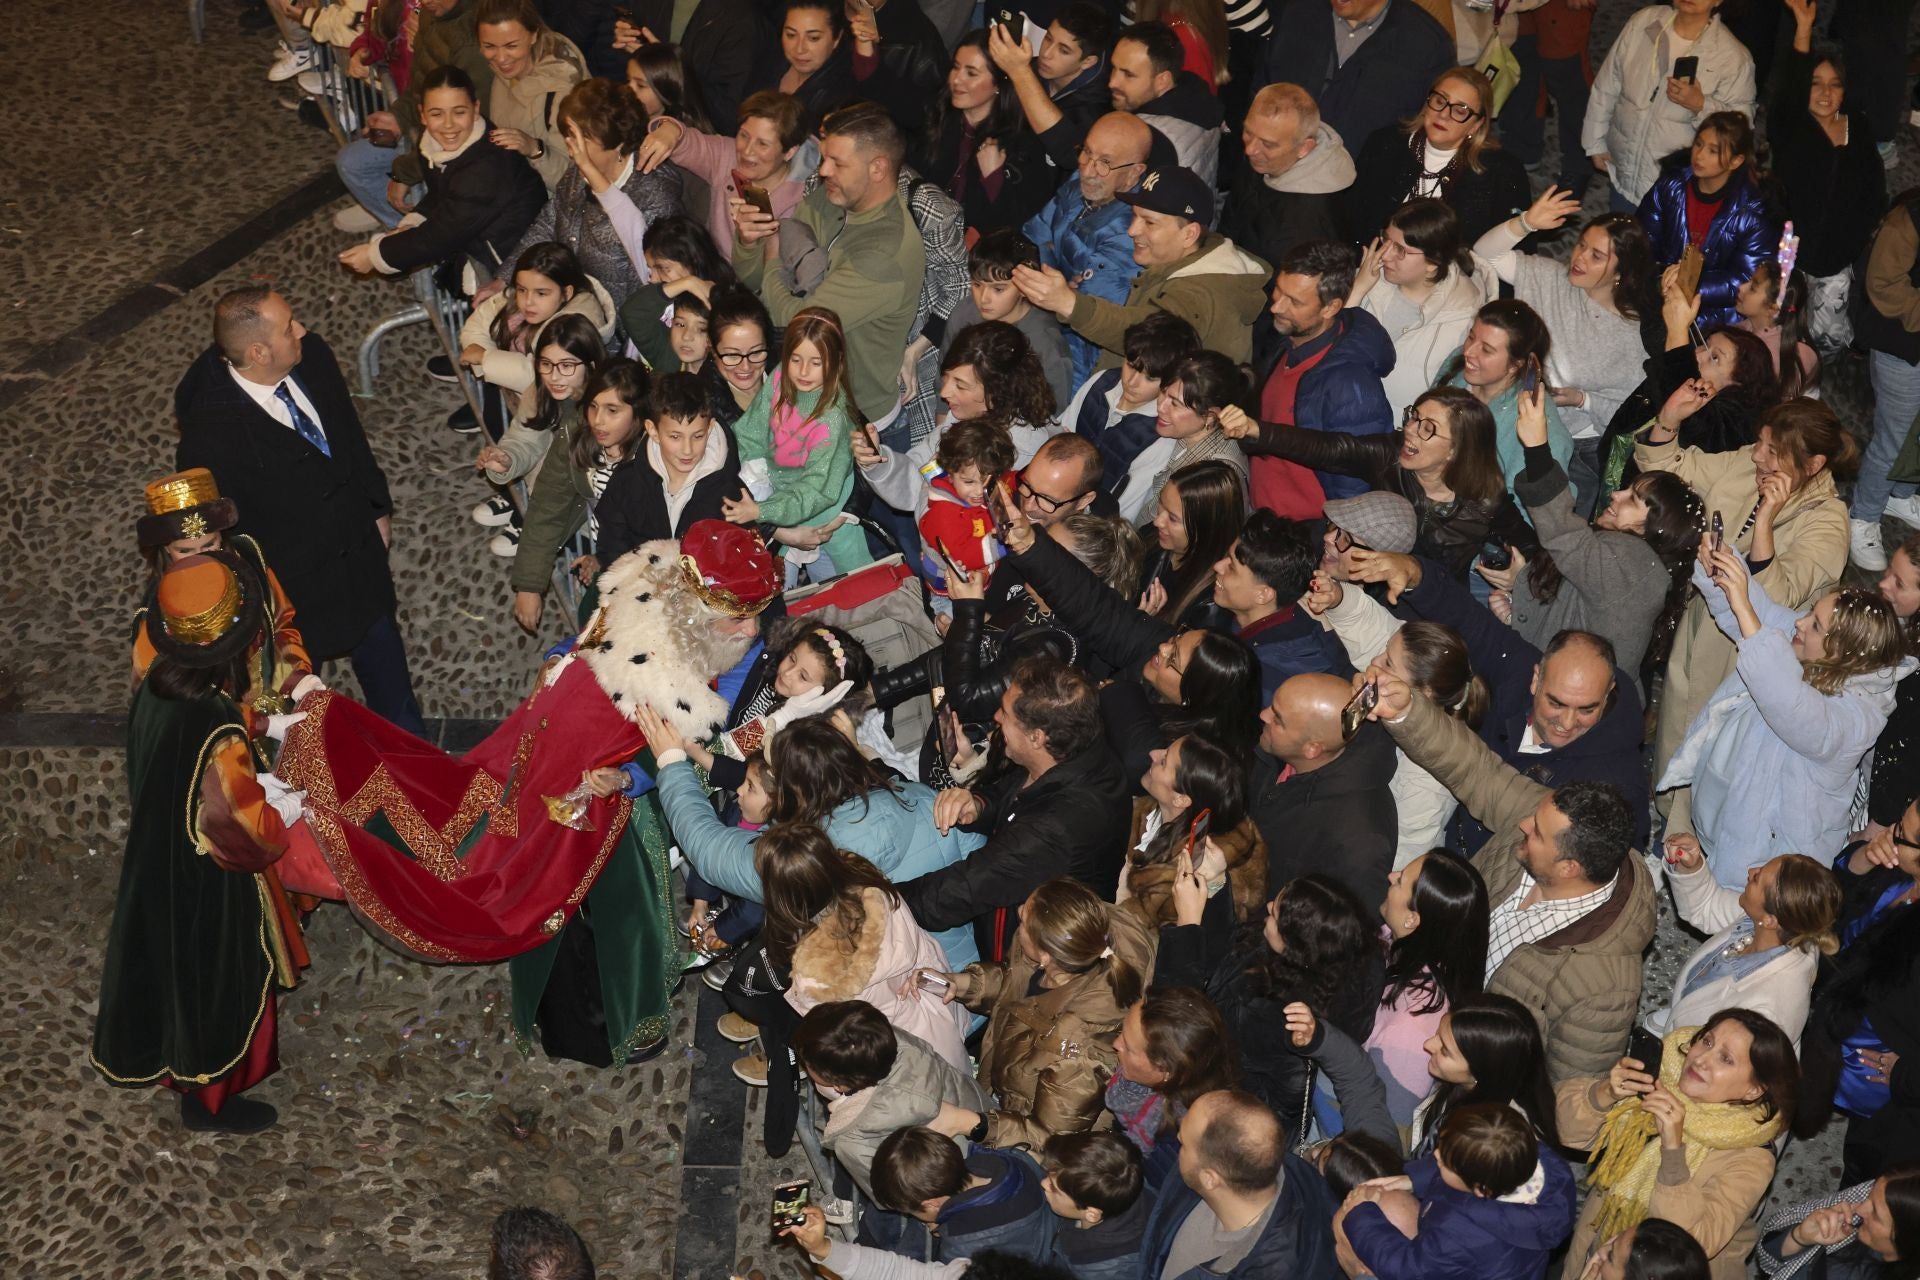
(1053, 1010)
(1773, 758)
(1767, 941)
(1447, 152)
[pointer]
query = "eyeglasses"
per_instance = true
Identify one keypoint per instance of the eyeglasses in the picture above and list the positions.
(1459, 112)
(1417, 427)
(565, 368)
(1344, 542)
(734, 359)
(1041, 500)
(1101, 167)
(1902, 841)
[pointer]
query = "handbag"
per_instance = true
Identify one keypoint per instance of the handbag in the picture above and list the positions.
(1497, 63)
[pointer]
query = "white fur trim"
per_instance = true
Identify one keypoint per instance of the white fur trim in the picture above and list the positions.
(636, 659)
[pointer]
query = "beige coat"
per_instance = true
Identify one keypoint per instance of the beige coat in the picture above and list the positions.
(1582, 983)
(1810, 554)
(1048, 1057)
(1715, 1203)
(1148, 890)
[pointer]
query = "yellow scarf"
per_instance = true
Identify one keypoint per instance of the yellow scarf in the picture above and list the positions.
(1626, 1156)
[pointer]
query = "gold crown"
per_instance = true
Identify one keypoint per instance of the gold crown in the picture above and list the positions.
(206, 625)
(181, 490)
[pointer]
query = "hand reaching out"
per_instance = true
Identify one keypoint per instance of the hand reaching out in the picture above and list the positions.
(1324, 592)
(1236, 425)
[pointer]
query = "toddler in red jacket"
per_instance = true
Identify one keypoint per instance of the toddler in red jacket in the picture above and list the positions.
(956, 522)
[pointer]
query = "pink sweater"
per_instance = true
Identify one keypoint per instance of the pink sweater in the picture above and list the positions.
(712, 158)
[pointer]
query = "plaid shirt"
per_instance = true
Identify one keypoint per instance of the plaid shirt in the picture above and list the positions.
(1513, 926)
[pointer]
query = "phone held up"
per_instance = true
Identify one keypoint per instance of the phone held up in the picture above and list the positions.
(1197, 832)
(1355, 713)
(1646, 1048)
(753, 193)
(1530, 376)
(790, 1201)
(1687, 68)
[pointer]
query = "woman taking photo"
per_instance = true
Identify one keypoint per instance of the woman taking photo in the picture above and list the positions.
(1777, 502)
(1421, 284)
(1199, 681)
(979, 148)
(761, 151)
(1713, 393)
(1713, 204)
(1623, 577)
(1447, 152)
(1200, 511)
(1053, 1010)
(1689, 1141)
(1487, 1048)
(1831, 178)
(1443, 459)
(1868, 1231)
(1191, 779)
(1436, 914)
(1599, 307)
(1432, 658)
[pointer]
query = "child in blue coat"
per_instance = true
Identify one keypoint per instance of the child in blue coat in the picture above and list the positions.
(1494, 1203)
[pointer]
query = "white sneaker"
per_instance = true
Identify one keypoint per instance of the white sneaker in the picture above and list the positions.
(1864, 545)
(311, 84)
(356, 221)
(291, 63)
(1906, 510)
(506, 543)
(494, 512)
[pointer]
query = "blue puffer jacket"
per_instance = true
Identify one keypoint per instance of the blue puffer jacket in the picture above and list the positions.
(1296, 1244)
(1463, 1237)
(1743, 234)
(1344, 393)
(897, 836)
(1092, 249)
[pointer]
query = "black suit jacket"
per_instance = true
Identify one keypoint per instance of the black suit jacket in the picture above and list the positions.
(312, 514)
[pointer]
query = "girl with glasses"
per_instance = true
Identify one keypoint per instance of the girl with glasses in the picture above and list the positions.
(1447, 152)
(1423, 286)
(570, 349)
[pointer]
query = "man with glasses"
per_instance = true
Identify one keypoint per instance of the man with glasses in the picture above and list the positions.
(1082, 231)
(1287, 183)
(1374, 521)
(1368, 63)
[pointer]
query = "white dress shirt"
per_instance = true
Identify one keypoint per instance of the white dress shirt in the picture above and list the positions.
(263, 394)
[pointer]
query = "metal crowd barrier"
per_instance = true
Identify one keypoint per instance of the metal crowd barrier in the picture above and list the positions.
(345, 101)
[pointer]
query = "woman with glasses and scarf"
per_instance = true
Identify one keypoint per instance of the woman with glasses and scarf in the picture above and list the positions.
(1446, 152)
(1442, 460)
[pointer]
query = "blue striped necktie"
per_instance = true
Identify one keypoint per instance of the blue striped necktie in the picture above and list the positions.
(309, 429)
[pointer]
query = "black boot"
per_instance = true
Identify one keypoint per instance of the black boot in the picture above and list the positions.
(236, 1115)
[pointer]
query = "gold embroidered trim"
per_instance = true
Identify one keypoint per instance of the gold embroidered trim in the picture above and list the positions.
(210, 623)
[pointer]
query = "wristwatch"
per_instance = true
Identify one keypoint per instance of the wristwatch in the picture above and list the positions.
(979, 1132)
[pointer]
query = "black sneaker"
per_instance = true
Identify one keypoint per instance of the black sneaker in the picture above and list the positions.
(309, 113)
(442, 368)
(236, 1115)
(462, 419)
(506, 543)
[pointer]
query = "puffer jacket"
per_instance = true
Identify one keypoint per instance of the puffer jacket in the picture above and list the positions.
(1088, 244)
(1422, 348)
(1744, 233)
(1581, 983)
(1465, 1236)
(513, 370)
(910, 1094)
(1220, 289)
(531, 104)
(873, 966)
(1047, 1057)
(1628, 115)
(1189, 115)
(1147, 888)
(1809, 555)
(1344, 392)
(574, 216)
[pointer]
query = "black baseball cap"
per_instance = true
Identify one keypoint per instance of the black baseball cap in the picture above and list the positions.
(1173, 190)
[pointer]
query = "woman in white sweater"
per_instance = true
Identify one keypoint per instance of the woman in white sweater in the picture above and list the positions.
(1430, 657)
(1767, 940)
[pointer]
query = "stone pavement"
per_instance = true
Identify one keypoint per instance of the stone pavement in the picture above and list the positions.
(148, 176)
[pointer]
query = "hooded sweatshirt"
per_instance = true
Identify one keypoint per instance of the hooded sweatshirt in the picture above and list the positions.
(637, 508)
(1190, 115)
(1219, 288)
(1271, 213)
(1465, 1237)
(1426, 336)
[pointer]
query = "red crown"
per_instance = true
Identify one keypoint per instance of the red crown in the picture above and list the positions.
(729, 567)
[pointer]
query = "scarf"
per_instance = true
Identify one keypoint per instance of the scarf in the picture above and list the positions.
(1626, 1155)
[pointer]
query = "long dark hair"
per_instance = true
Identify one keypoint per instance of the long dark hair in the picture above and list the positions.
(1527, 335)
(576, 335)
(1637, 292)
(177, 682)
(1215, 506)
(1791, 299)
(1009, 372)
(627, 379)
(1473, 473)
(1004, 117)
(1501, 1043)
(816, 770)
(1324, 931)
(557, 263)
(1444, 961)
(1903, 1204)
(1219, 695)
(673, 82)
(1775, 1067)
(801, 876)
(1215, 780)
(678, 238)
(1663, 1250)
(1676, 519)
(1187, 1038)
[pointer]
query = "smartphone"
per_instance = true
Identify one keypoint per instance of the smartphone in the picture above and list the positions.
(1687, 68)
(757, 196)
(1718, 529)
(1354, 714)
(626, 15)
(948, 725)
(933, 983)
(1530, 376)
(790, 1201)
(1648, 1049)
(384, 138)
(1010, 22)
(1495, 555)
(1197, 832)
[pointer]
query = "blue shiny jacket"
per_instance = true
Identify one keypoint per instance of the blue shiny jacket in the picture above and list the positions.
(1743, 234)
(1092, 249)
